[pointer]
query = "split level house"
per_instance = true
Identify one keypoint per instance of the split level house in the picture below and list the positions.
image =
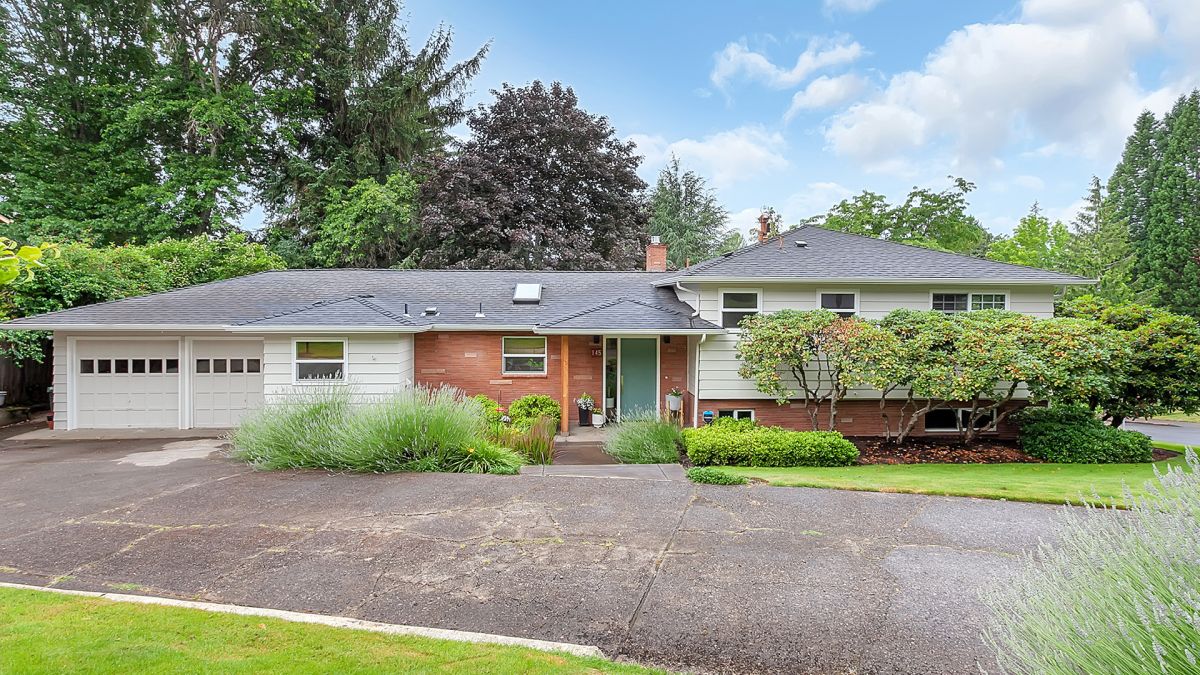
(205, 355)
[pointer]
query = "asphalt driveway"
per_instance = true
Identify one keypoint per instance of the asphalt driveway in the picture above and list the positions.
(659, 571)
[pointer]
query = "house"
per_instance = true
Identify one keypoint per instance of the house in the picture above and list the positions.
(203, 356)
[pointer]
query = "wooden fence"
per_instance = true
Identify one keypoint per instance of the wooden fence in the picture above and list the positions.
(26, 382)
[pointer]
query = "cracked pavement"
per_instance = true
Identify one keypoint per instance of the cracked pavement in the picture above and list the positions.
(690, 577)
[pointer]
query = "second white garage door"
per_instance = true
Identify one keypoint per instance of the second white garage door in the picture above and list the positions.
(227, 381)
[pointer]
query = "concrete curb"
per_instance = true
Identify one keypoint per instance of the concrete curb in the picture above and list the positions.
(335, 621)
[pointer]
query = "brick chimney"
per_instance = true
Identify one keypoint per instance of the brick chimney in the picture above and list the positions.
(656, 255)
(764, 227)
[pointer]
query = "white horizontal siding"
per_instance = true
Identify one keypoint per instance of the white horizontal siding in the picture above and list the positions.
(61, 365)
(376, 365)
(717, 357)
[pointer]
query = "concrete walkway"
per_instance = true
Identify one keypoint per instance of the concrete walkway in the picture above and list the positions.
(630, 471)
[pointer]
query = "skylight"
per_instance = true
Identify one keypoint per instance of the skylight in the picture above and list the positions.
(528, 293)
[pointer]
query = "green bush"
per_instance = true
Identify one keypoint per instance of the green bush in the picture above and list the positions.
(491, 409)
(418, 429)
(1117, 594)
(714, 476)
(744, 443)
(644, 439)
(535, 444)
(1073, 434)
(528, 409)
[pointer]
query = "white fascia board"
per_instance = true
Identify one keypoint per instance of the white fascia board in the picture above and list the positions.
(628, 331)
(972, 281)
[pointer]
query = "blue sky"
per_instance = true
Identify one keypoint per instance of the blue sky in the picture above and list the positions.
(800, 104)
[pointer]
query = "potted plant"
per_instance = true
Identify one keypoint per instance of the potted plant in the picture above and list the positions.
(675, 399)
(586, 404)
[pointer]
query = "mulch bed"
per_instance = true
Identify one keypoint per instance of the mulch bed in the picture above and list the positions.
(938, 451)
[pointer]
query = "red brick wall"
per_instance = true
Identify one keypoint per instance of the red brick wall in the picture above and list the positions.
(672, 369)
(855, 418)
(471, 361)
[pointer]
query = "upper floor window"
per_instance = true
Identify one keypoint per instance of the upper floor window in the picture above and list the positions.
(968, 302)
(524, 355)
(737, 305)
(844, 304)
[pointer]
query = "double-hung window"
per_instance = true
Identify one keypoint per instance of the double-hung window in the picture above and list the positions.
(842, 303)
(319, 361)
(524, 355)
(737, 305)
(951, 303)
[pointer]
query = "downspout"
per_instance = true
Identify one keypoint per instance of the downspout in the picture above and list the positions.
(703, 337)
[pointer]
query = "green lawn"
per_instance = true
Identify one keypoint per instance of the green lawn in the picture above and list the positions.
(1049, 483)
(50, 633)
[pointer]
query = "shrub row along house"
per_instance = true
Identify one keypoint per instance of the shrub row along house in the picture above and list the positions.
(203, 356)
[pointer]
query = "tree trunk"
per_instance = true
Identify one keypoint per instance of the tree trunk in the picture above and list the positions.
(1116, 421)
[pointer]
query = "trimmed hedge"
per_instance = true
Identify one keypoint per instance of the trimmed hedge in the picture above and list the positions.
(744, 443)
(1074, 435)
(528, 409)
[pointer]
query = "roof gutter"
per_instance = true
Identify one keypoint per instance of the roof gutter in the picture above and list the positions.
(963, 281)
(628, 331)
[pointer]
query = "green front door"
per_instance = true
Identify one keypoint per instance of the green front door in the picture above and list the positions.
(639, 375)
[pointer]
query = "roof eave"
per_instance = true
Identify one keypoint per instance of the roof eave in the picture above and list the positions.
(629, 331)
(967, 281)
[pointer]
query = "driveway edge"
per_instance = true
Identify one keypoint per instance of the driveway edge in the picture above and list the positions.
(334, 621)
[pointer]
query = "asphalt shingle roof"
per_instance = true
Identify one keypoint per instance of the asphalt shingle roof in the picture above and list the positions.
(627, 314)
(832, 255)
(382, 297)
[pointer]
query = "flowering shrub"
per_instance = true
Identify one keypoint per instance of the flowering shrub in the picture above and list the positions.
(1119, 594)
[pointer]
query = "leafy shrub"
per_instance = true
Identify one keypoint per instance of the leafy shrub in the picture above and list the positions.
(644, 438)
(744, 443)
(1073, 434)
(714, 476)
(527, 409)
(1118, 594)
(418, 429)
(535, 444)
(491, 409)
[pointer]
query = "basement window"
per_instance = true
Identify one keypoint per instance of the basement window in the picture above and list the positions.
(318, 361)
(738, 414)
(524, 355)
(953, 420)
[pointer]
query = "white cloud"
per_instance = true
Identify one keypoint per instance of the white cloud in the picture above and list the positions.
(851, 6)
(726, 157)
(1030, 182)
(826, 92)
(737, 60)
(1063, 75)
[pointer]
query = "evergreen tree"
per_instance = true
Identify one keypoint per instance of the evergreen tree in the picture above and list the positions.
(685, 213)
(1132, 182)
(1100, 248)
(1172, 239)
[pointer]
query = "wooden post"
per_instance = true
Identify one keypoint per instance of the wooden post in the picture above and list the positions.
(564, 365)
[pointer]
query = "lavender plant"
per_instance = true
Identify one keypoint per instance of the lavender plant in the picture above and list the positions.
(1119, 594)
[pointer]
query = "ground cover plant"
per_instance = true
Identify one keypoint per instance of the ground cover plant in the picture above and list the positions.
(1118, 594)
(1074, 434)
(44, 632)
(417, 429)
(744, 443)
(713, 476)
(644, 438)
(1028, 482)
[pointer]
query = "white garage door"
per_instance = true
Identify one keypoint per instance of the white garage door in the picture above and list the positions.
(126, 383)
(227, 381)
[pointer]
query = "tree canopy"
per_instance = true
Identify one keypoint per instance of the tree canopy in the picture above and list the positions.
(686, 214)
(539, 184)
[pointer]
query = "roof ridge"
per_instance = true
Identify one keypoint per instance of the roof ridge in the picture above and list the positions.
(611, 303)
(326, 303)
(398, 318)
(703, 264)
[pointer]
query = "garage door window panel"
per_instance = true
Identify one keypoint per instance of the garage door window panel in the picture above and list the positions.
(104, 366)
(87, 366)
(172, 366)
(138, 366)
(319, 361)
(253, 365)
(202, 367)
(156, 366)
(218, 365)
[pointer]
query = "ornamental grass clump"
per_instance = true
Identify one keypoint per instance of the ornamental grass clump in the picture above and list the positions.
(644, 438)
(1119, 594)
(417, 429)
(535, 444)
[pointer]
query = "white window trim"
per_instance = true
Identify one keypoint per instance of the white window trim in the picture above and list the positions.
(345, 361)
(545, 356)
(735, 411)
(957, 422)
(969, 293)
(840, 291)
(758, 293)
